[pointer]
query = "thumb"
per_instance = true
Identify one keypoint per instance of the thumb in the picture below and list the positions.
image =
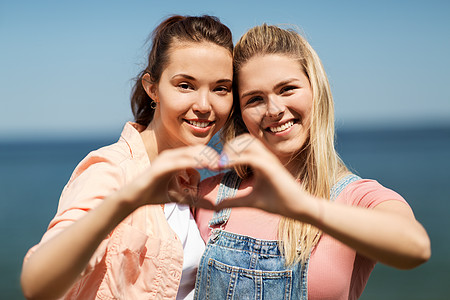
(203, 203)
(188, 178)
(193, 177)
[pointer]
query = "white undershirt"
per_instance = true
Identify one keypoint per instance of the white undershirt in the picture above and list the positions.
(182, 222)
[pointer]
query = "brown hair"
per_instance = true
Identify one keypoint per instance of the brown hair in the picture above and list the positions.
(174, 29)
(321, 164)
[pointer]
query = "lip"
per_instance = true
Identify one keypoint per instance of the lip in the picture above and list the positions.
(198, 129)
(281, 123)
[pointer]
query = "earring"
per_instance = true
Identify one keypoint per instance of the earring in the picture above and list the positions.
(153, 104)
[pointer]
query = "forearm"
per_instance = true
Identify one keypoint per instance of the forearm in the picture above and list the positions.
(56, 265)
(389, 233)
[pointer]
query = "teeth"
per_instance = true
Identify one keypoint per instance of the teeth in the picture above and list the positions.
(282, 127)
(199, 124)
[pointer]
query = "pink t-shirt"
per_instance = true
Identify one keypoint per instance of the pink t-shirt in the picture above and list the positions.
(335, 271)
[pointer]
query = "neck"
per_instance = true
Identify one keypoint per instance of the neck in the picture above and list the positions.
(156, 139)
(293, 163)
(151, 142)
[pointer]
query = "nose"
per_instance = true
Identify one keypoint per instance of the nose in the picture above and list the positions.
(202, 103)
(274, 107)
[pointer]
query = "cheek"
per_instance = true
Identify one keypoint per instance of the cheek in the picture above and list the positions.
(252, 119)
(304, 108)
(306, 117)
(175, 103)
(222, 106)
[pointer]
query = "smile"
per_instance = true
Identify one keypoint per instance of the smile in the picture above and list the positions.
(200, 124)
(285, 126)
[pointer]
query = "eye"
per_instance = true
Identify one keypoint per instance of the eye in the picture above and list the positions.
(255, 99)
(287, 89)
(185, 86)
(222, 90)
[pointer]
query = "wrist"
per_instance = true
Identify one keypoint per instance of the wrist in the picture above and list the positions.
(308, 208)
(124, 201)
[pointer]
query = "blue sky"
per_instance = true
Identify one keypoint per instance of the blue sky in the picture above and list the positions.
(66, 69)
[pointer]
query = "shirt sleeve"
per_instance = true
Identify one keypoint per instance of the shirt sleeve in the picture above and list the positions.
(92, 181)
(368, 193)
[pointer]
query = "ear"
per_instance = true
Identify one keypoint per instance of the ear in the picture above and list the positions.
(150, 88)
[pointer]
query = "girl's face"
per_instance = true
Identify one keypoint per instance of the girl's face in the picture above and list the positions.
(193, 95)
(276, 100)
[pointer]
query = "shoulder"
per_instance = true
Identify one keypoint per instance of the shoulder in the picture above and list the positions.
(128, 155)
(367, 193)
(102, 172)
(104, 159)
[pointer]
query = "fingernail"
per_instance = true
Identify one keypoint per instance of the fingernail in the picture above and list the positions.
(223, 161)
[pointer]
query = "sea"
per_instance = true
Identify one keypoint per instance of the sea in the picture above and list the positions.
(415, 162)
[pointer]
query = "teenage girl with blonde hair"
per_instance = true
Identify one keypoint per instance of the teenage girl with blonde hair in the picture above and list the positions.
(302, 225)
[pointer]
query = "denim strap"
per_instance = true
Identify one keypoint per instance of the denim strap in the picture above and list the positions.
(227, 189)
(341, 184)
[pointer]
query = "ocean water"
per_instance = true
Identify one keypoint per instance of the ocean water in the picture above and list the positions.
(415, 163)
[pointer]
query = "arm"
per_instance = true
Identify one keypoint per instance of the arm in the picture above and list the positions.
(69, 252)
(388, 233)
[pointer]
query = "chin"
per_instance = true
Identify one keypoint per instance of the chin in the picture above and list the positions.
(284, 150)
(193, 141)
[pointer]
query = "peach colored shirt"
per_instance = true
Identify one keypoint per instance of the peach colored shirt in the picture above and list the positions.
(335, 271)
(142, 257)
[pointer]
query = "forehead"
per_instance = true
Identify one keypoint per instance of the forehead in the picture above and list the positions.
(179, 47)
(202, 56)
(263, 70)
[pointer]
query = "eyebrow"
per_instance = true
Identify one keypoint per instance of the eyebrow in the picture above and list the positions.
(189, 77)
(251, 93)
(284, 82)
(224, 81)
(184, 76)
(278, 85)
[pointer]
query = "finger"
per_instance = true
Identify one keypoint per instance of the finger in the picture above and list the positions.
(238, 145)
(251, 153)
(189, 186)
(193, 177)
(182, 177)
(175, 196)
(205, 157)
(193, 157)
(190, 199)
(238, 151)
(181, 192)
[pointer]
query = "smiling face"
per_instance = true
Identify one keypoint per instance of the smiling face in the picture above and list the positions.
(193, 95)
(276, 100)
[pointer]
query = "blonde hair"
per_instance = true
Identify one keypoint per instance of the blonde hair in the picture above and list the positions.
(322, 165)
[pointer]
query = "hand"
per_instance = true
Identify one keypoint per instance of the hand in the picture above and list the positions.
(274, 189)
(183, 189)
(172, 178)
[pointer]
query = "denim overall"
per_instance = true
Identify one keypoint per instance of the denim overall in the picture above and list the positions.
(234, 266)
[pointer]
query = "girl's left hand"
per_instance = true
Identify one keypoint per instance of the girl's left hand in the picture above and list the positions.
(275, 190)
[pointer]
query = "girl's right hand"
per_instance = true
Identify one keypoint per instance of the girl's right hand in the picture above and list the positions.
(172, 177)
